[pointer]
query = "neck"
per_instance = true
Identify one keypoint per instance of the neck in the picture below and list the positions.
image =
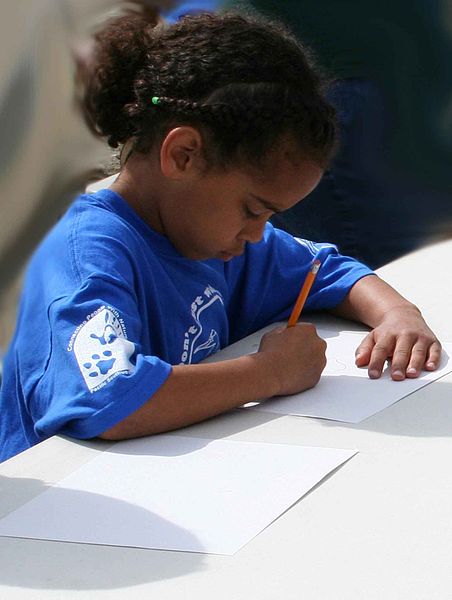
(139, 183)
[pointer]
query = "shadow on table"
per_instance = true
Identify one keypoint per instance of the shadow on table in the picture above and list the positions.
(229, 423)
(35, 564)
(427, 412)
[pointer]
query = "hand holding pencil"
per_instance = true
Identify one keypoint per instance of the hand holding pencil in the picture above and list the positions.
(298, 353)
(294, 358)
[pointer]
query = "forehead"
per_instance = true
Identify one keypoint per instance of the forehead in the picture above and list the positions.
(284, 177)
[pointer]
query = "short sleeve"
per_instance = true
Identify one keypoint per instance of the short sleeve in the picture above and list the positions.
(266, 280)
(96, 373)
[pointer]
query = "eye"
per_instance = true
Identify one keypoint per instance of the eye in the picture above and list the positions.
(250, 214)
(255, 214)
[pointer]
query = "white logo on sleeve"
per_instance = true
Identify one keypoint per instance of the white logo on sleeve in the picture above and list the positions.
(101, 348)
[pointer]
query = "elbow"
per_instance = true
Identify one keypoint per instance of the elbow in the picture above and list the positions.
(110, 437)
(131, 428)
(115, 434)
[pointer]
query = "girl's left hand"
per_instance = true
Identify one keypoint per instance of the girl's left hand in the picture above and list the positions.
(404, 337)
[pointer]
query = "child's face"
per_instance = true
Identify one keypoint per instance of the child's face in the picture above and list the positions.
(221, 211)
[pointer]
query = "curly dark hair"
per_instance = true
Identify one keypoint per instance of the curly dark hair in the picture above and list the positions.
(243, 81)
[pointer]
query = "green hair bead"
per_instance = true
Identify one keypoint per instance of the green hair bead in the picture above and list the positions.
(155, 100)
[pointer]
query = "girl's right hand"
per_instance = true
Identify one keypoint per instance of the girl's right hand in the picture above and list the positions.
(295, 357)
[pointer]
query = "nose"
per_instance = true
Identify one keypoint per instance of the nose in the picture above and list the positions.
(253, 230)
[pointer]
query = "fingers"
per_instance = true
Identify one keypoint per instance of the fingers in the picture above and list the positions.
(410, 355)
(433, 357)
(408, 358)
(419, 357)
(421, 354)
(382, 350)
(364, 350)
(374, 353)
(297, 357)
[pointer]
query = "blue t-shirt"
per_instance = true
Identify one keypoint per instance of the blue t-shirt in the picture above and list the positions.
(109, 305)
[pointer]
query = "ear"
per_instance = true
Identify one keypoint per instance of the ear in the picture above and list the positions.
(181, 153)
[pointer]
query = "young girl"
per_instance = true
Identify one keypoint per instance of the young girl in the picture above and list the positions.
(222, 123)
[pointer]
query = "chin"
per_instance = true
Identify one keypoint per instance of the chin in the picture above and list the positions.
(199, 256)
(226, 256)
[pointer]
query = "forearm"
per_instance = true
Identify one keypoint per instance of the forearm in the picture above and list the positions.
(289, 360)
(369, 300)
(193, 393)
(399, 332)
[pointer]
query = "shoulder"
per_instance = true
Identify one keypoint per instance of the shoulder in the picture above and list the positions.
(104, 234)
(98, 236)
(103, 216)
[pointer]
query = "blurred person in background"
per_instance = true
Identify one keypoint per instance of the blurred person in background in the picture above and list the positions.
(47, 154)
(389, 190)
(190, 7)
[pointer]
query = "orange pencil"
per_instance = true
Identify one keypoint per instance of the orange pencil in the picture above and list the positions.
(310, 277)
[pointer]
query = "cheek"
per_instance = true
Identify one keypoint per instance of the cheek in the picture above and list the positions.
(225, 224)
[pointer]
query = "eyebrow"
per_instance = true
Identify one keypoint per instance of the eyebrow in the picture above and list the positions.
(267, 204)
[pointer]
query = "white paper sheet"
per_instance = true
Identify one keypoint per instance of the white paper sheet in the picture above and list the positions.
(345, 392)
(175, 493)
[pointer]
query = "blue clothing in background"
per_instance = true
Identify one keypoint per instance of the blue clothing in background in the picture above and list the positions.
(361, 204)
(109, 305)
(191, 8)
(389, 189)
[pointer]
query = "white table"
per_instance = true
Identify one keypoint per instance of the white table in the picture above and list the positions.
(378, 528)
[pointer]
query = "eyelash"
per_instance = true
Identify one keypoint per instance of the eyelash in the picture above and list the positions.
(250, 214)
